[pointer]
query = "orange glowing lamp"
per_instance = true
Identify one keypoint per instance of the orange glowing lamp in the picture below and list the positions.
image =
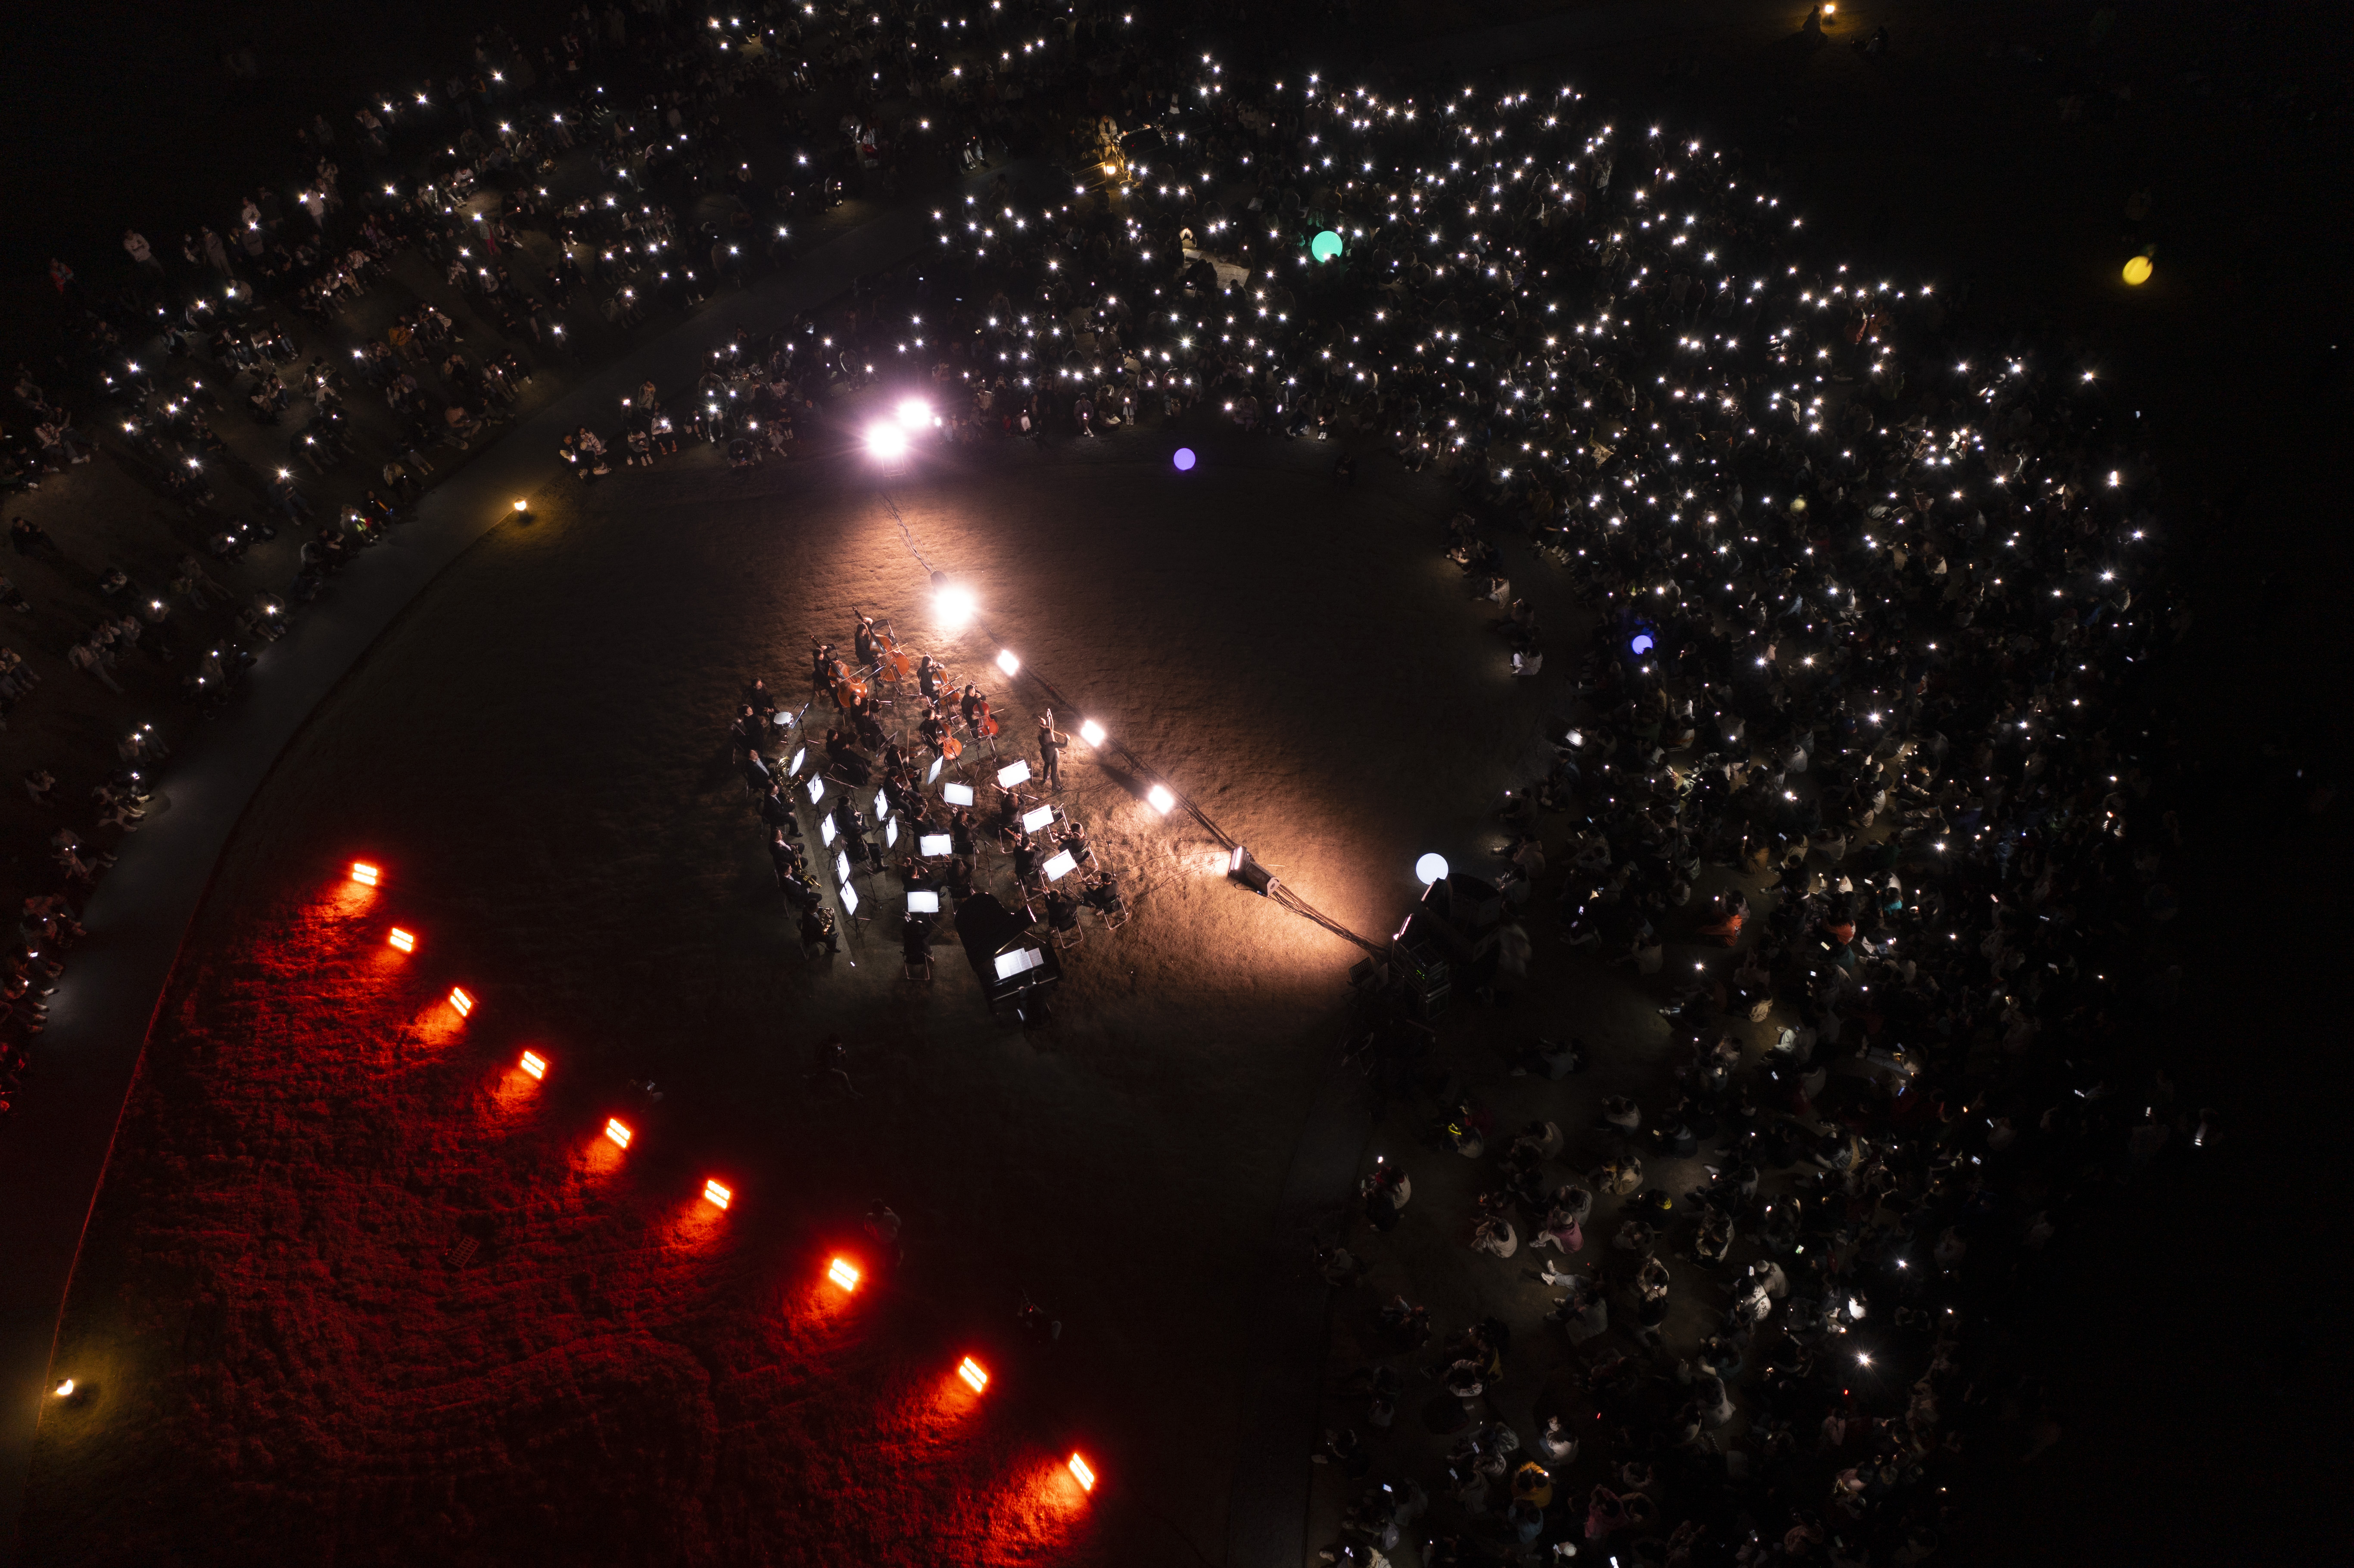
(618, 1131)
(972, 1374)
(403, 941)
(1081, 1474)
(364, 873)
(462, 1000)
(535, 1064)
(844, 1273)
(716, 1195)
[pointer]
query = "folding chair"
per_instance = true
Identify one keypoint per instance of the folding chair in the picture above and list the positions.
(915, 970)
(1070, 936)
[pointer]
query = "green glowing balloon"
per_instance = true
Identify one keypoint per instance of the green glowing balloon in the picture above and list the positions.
(1325, 246)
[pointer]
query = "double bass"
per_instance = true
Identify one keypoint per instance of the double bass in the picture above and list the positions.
(891, 664)
(849, 691)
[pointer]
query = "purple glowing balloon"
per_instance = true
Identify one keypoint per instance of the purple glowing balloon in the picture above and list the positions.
(1184, 460)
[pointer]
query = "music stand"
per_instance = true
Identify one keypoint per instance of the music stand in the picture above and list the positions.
(934, 846)
(923, 901)
(1042, 817)
(850, 903)
(1015, 773)
(956, 794)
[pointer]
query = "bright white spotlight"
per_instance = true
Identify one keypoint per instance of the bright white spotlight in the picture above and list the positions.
(955, 605)
(1091, 732)
(1162, 799)
(913, 413)
(887, 442)
(1007, 662)
(1430, 868)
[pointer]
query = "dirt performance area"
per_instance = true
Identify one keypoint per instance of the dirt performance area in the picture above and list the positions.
(359, 1290)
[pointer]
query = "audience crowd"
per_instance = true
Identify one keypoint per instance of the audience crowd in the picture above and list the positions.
(1847, 776)
(1865, 581)
(313, 357)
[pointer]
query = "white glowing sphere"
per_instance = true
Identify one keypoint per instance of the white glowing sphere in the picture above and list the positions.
(1430, 868)
(955, 605)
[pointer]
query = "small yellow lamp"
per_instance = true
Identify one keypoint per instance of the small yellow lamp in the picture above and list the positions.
(2137, 272)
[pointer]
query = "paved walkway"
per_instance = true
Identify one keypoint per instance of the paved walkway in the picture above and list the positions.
(55, 1151)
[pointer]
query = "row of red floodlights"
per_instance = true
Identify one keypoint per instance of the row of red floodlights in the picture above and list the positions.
(839, 1272)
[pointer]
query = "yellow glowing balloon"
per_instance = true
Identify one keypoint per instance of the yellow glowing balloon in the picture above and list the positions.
(2137, 270)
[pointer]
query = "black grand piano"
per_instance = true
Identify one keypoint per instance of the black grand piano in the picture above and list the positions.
(1010, 963)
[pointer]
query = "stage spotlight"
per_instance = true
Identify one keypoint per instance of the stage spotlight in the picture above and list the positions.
(2137, 270)
(1430, 868)
(954, 604)
(844, 1273)
(1082, 1474)
(1007, 662)
(65, 1389)
(521, 506)
(535, 1064)
(887, 442)
(1160, 798)
(1184, 459)
(913, 413)
(1642, 642)
(1249, 872)
(364, 873)
(618, 1131)
(717, 1196)
(1325, 246)
(402, 941)
(974, 1377)
(1091, 732)
(462, 1000)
